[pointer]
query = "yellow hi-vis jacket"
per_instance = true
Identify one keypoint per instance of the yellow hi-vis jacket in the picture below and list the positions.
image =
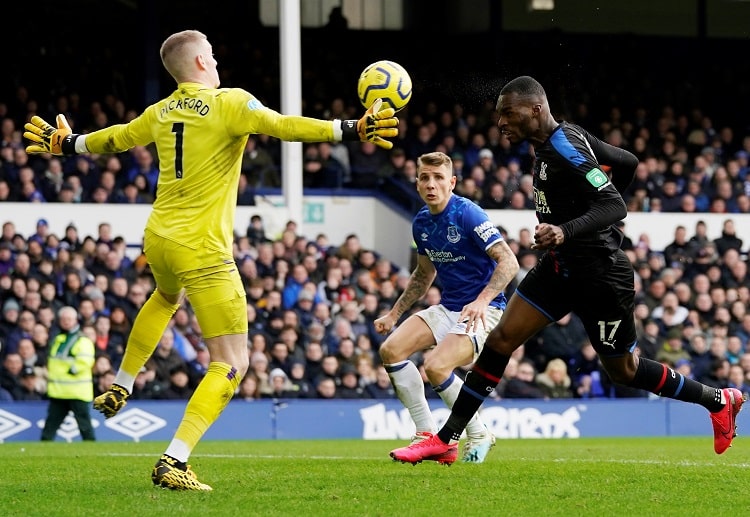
(69, 364)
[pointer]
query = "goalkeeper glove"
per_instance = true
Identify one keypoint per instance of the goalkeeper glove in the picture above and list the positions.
(48, 139)
(374, 126)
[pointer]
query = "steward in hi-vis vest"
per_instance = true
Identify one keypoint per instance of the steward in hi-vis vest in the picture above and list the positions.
(70, 385)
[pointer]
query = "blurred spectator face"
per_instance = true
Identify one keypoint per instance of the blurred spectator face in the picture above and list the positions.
(651, 329)
(258, 343)
(687, 203)
(248, 387)
(290, 319)
(105, 380)
(387, 290)
(525, 372)
(641, 311)
(137, 295)
(346, 268)
(330, 365)
(289, 337)
(517, 200)
(13, 364)
(698, 344)
(46, 316)
(734, 345)
(32, 301)
(26, 321)
(350, 380)
(718, 297)
(280, 352)
(278, 382)
(314, 352)
(346, 348)
(26, 350)
(179, 378)
(370, 303)
(259, 362)
(657, 289)
(118, 317)
(297, 370)
(736, 375)
(322, 312)
(166, 343)
(22, 264)
(86, 310)
(40, 335)
(718, 346)
(102, 326)
(326, 388)
(745, 362)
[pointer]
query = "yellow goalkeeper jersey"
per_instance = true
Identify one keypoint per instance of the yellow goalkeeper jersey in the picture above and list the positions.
(200, 134)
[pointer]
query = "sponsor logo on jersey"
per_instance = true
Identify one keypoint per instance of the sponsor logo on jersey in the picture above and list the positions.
(597, 178)
(540, 202)
(543, 171)
(486, 230)
(443, 256)
(254, 104)
(425, 236)
(453, 235)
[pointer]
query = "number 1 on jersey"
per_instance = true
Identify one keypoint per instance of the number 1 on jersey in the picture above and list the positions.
(178, 128)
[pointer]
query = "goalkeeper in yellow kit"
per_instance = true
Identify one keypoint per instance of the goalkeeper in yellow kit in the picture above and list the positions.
(200, 133)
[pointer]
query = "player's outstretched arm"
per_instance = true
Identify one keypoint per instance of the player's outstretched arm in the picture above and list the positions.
(375, 126)
(49, 139)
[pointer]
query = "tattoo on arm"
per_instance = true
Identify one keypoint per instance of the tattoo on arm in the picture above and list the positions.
(419, 281)
(506, 269)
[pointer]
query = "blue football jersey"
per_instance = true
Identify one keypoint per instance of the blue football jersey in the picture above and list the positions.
(456, 241)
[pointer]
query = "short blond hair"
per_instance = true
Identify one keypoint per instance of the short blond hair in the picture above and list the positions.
(172, 50)
(436, 159)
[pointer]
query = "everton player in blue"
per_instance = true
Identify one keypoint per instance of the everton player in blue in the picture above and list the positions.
(458, 245)
(583, 270)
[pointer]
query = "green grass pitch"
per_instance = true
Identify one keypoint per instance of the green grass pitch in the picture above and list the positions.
(602, 477)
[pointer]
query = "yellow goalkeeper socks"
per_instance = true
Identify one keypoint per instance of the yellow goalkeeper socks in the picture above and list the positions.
(208, 401)
(148, 328)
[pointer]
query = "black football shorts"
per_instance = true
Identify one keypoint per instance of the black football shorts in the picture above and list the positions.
(602, 296)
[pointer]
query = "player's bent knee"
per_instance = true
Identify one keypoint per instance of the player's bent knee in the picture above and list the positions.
(501, 342)
(436, 372)
(172, 299)
(392, 352)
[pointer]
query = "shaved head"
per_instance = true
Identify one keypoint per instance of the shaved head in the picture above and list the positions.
(179, 50)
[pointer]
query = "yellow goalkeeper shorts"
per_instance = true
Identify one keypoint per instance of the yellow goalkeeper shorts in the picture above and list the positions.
(210, 279)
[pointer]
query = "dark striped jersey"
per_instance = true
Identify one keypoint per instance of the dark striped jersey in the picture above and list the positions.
(572, 191)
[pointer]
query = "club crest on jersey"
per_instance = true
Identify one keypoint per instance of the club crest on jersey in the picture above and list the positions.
(543, 171)
(453, 235)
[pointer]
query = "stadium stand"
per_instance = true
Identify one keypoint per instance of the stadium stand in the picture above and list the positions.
(694, 159)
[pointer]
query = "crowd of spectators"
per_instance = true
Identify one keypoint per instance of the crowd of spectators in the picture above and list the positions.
(687, 164)
(311, 303)
(311, 306)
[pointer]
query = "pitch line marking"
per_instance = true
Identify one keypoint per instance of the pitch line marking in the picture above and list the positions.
(681, 463)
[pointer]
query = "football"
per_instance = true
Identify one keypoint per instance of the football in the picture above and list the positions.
(386, 80)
